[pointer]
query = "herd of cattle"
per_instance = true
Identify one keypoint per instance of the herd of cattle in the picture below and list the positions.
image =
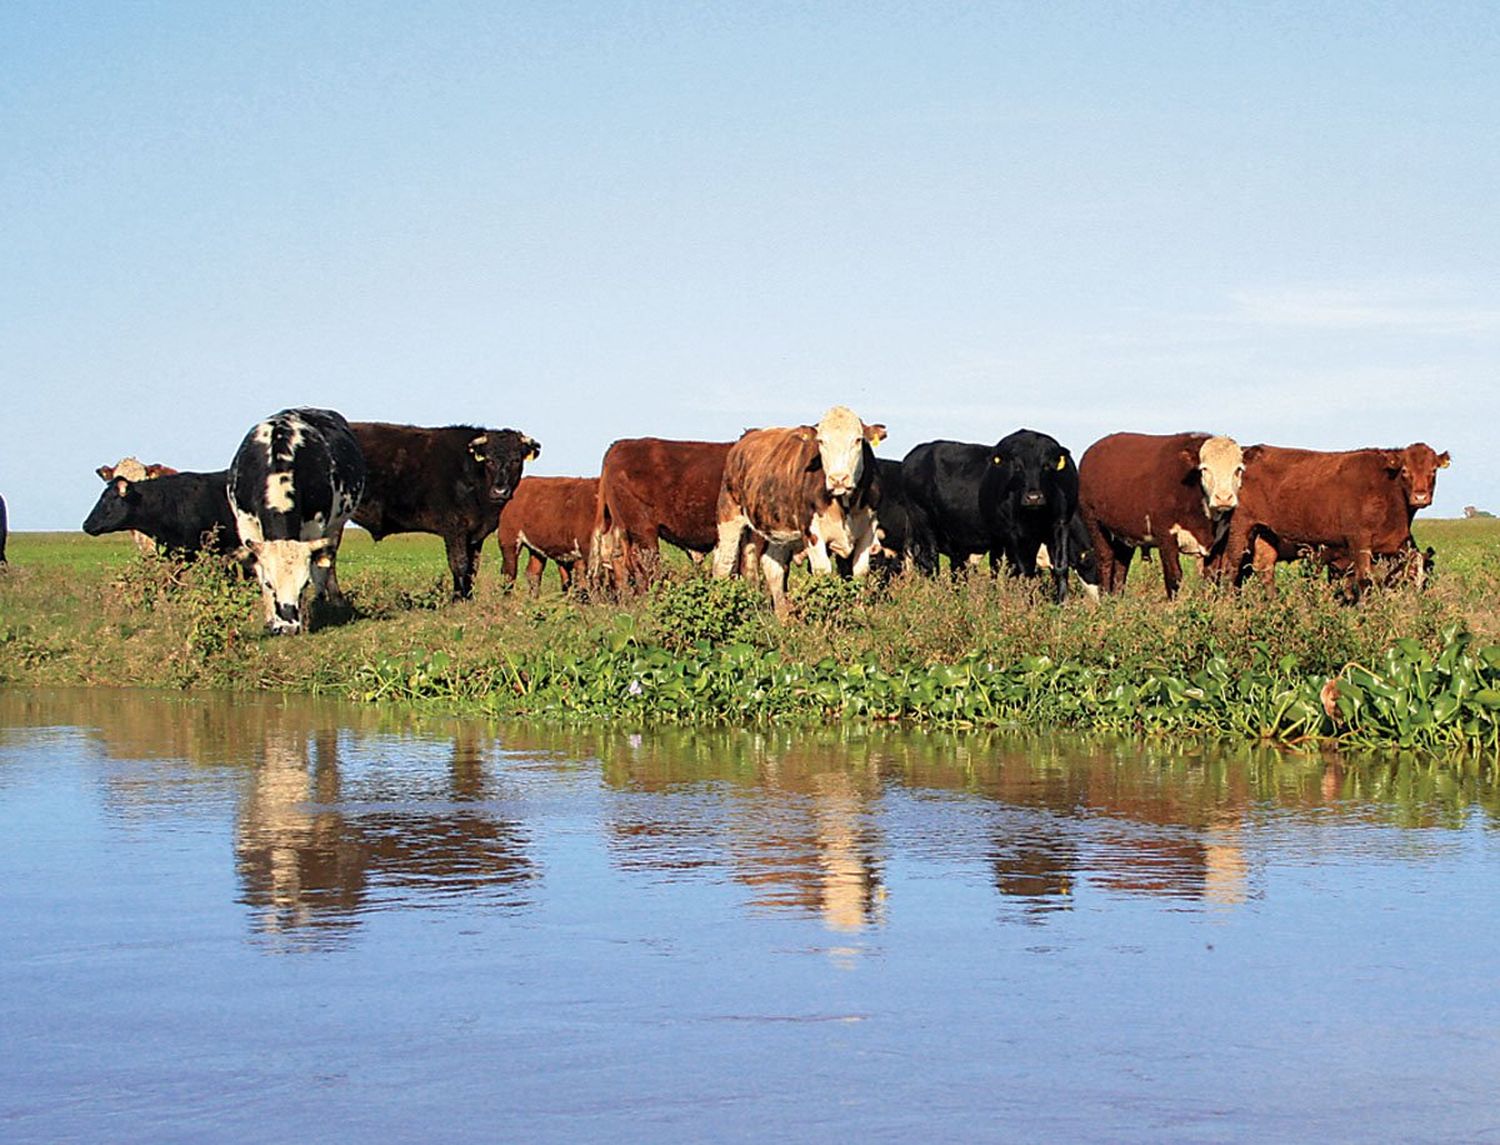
(774, 495)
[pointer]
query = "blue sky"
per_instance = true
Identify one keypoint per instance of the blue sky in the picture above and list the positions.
(590, 221)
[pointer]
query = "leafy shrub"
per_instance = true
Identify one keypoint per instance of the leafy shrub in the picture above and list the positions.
(701, 609)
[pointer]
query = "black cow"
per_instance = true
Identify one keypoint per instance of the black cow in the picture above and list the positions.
(183, 513)
(2, 530)
(295, 480)
(452, 481)
(1004, 501)
(887, 495)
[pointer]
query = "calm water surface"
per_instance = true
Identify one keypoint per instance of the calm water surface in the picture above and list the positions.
(230, 919)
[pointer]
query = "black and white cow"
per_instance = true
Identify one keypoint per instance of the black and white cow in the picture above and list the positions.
(1004, 500)
(294, 483)
(181, 512)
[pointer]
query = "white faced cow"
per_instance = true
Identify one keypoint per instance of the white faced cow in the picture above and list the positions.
(295, 481)
(801, 487)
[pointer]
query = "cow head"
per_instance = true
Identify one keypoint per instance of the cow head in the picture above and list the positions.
(284, 569)
(133, 470)
(1219, 468)
(496, 457)
(1417, 466)
(112, 512)
(1030, 463)
(841, 438)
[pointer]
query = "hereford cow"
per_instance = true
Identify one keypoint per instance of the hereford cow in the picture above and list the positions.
(1171, 491)
(553, 518)
(1295, 500)
(1418, 480)
(452, 481)
(294, 482)
(183, 513)
(652, 489)
(133, 469)
(801, 488)
(1004, 501)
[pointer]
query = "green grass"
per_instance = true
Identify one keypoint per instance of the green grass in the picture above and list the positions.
(976, 651)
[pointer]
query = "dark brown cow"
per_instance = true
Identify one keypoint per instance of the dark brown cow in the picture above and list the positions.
(1171, 491)
(451, 480)
(1416, 474)
(653, 489)
(553, 517)
(804, 487)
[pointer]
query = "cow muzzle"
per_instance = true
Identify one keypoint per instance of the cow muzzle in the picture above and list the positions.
(1033, 499)
(286, 622)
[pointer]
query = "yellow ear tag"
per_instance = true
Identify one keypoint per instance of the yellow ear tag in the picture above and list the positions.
(998, 460)
(1062, 462)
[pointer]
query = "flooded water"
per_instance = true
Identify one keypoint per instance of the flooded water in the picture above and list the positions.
(230, 919)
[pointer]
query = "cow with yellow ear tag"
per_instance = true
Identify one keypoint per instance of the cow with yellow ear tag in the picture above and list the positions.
(1005, 501)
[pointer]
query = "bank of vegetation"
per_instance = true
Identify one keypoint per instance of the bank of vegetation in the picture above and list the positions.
(1408, 669)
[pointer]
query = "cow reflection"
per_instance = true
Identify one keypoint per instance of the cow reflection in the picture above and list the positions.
(796, 829)
(310, 859)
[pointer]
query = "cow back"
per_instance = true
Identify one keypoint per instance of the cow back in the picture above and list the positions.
(770, 475)
(1311, 497)
(651, 485)
(1134, 485)
(298, 476)
(551, 515)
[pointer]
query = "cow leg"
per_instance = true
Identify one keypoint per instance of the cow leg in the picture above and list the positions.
(1171, 564)
(461, 561)
(330, 588)
(1263, 561)
(536, 564)
(732, 526)
(510, 560)
(774, 564)
(565, 570)
(1362, 575)
(1060, 555)
(865, 544)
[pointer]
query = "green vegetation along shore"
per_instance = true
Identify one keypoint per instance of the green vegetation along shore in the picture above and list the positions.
(1404, 669)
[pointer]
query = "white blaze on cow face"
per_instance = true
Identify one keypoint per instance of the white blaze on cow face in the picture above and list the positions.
(1221, 468)
(841, 439)
(285, 568)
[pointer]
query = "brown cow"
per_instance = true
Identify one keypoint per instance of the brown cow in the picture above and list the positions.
(652, 489)
(553, 517)
(1417, 477)
(134, 470)
(1359, 501)
(1172, 491)
(805, 487)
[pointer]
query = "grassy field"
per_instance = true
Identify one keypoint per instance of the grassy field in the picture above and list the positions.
(976, 651)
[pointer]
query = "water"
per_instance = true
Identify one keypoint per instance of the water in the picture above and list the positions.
(229, 919)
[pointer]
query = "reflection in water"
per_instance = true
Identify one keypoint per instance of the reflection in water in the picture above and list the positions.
(340, 811)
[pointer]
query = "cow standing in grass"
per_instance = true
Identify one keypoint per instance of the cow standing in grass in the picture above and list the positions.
(795, 489)
(182, 513)
(452, 481)
(553, 519)
(296, 479)
(1174, 492)
(1005, 501)
(133, 469)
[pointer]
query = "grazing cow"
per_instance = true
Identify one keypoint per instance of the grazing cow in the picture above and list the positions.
(132, 469)
(553, 517)
(652, 489)
(1005, 500)
(1172, 491)
(452, 481)
(183, 513)
(3, 531)
(806, 487)
(294, 482)
(1294, 500)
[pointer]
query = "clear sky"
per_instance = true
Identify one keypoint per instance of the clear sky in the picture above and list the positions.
(591, 221)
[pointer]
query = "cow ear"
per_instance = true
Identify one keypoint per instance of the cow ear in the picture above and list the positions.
(874, 434)
(533, 447)
(1190, 459)
(105, 472)
(1395, 461)
(1442, 462)
(1249, 455)
(476, 446)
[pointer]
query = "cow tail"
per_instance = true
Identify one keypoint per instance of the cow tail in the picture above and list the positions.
(599, 545)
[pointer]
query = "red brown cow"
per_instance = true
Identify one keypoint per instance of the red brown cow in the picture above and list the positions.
(1292, 500)
(652, 489)
(1418, 479)
(553, 518)
(805, 487)
(1172, 491)
(134, 470)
